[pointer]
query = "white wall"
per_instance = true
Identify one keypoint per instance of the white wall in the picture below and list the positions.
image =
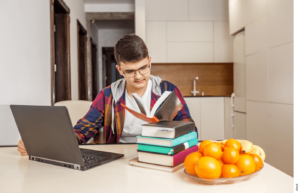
(25, 76)
(109, 32)
(269, 75)
(188, 31)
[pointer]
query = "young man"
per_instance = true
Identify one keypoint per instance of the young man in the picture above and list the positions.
(119, 125)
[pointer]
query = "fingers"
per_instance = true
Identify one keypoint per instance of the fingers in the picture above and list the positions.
(21, 150)
(21, 144)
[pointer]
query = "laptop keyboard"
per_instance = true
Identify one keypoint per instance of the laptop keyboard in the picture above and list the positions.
(91, 160)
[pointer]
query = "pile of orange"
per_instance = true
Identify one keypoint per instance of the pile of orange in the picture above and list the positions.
(215, 160)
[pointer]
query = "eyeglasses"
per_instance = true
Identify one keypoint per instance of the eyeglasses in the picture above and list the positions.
(131, 73)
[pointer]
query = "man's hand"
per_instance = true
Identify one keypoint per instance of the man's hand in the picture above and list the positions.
(21, 148)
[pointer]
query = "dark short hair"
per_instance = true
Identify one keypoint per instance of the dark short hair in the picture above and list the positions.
(130, 48)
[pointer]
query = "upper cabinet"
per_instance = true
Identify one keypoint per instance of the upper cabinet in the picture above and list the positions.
(208, 10)
(193, 31)
(167, 10)
(236, 15)
(157, 41)
(223, 42)
(255, 9)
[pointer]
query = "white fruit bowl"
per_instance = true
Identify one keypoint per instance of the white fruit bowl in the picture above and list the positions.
(222, 180)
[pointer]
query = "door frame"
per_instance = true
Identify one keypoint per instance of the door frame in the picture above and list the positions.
(82, 87)
(94, 68)
(63, 7)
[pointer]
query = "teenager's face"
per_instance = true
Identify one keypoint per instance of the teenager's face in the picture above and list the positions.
(136, 80)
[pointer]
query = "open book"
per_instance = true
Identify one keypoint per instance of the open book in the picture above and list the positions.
(165, 108)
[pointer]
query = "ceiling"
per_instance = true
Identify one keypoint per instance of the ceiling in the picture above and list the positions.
(109, 1)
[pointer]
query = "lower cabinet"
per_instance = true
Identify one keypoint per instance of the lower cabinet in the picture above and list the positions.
(208, 114)
(239, 131)
(194, 108)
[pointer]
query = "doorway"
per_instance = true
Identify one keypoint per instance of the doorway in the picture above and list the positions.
(94, 69)
(60, 51)
(82, 64)
(111, 72)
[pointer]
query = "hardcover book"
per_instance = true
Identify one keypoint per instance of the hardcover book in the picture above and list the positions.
(135, 162)
(167, 129)
(166, 142)
(168, 150)
(165, 108)
(166, 160)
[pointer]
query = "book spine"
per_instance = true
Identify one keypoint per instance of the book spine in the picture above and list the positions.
(185, 146)
(179, 157)
(179, 131)
(184, 138)
(156, 149)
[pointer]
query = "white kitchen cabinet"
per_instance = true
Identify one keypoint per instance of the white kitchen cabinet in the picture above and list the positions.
(239, 72)
(237, 16)
(281, 72)
(193, 104)
(239, 129)
(190, 31)
(208, 10)
(212, 118)
(223, 42)
(228, 130)
(256, 36)
(157, 10)
(257, 77)
(193, 52)
(281, 22)
(156, 40)
(208, 115)
(255, 9)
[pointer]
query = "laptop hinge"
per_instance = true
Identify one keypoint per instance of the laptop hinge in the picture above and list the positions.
(45, 160)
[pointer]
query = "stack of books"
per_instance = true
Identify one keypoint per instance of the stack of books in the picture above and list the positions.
(164, 143)
(167, 143)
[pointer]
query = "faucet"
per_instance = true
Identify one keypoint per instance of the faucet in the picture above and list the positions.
(195, 92)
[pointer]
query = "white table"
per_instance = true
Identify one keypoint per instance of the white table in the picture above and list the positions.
(18, 174)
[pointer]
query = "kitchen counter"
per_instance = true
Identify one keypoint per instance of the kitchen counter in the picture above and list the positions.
(18, 174)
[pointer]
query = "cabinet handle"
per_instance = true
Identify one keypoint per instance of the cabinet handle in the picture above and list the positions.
(232, 110)
(232, 100)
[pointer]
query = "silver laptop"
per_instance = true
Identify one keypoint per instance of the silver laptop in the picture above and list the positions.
(49, 137)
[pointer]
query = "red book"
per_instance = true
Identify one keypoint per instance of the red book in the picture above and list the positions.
(166, 160)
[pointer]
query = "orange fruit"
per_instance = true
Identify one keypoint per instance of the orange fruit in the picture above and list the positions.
(208, 167)
(233, 143)
(190, 162)
(221, 162)
(220, 145)
(230, 171)
(203, 144)
(230, 155)
(245, 164)
(258, 161)
(213, 150)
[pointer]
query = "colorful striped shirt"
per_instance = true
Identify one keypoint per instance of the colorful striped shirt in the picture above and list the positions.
(100, 115)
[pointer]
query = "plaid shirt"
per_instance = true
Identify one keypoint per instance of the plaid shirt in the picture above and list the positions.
(100, 115)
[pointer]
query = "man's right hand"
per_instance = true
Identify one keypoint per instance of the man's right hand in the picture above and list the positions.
(21, 148)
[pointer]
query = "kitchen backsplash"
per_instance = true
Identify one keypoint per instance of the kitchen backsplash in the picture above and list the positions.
(214, 79)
